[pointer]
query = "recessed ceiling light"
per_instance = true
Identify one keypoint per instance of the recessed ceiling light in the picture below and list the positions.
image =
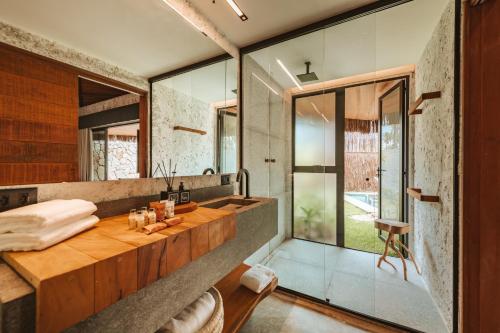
(237, 10)
(184, 16)
(289, 74)
(265, 83)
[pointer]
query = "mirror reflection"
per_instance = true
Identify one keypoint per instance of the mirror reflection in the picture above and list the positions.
(108, 135)
(195, 120)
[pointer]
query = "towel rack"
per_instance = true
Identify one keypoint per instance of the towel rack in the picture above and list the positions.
(417, 194)
(187, 129)
(425, 96)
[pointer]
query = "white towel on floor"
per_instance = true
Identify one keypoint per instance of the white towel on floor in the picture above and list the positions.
(45, 237)
(31, 218)
(257, 278)
(193, 317)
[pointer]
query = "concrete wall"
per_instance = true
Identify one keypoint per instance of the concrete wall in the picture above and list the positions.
(432, 165)
(267, 134)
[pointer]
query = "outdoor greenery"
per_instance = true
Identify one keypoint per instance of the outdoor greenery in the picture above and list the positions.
(359, 235)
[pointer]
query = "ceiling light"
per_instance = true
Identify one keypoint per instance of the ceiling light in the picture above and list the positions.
(264, 83)
(319, 112)
(237, 10)
(289, 74)
(183, 16)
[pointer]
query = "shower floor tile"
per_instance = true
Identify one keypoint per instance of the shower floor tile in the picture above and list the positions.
(350, 279)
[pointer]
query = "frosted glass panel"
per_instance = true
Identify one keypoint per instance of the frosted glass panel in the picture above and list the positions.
(315, 206)
(315, 130)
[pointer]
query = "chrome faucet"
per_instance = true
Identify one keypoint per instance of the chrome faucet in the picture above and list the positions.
(247, 184)
(207, 170)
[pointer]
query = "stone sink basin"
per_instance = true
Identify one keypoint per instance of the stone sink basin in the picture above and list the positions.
(230, 203)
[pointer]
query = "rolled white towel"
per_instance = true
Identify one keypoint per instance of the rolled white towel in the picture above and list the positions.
(193, 317)
(257, 278)
(46, 237)
(31, 218)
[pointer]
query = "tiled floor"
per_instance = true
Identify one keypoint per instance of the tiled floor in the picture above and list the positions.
(350, 279)
(274, 315)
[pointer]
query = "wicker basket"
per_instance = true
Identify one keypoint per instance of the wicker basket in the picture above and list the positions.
(216, 322)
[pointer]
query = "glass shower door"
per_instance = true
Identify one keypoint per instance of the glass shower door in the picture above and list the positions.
(391, 189)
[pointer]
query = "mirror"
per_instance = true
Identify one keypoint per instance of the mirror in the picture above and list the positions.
(195, 120)
(108, 132)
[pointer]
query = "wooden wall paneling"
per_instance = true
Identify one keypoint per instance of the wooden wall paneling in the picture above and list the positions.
(481, 164)
(38, 120)
(143, 136)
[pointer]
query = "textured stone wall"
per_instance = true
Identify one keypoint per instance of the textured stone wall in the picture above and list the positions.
(191, 151)
(432, 163)
(122, 157)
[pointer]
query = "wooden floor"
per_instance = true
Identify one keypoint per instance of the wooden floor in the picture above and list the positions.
(342, 316)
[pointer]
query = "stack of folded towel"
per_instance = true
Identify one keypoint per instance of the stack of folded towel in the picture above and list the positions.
(38, 226)
(257, 278)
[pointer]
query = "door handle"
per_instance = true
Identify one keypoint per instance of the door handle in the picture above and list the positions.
(270, 160)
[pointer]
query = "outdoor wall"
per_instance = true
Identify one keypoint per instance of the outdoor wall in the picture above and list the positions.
(432, 165)
(122, 157)
(191, 151)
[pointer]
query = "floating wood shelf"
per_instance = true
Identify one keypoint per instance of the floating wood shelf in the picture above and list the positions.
(417, 194)
(187, 129)
(239, 301)
(425, 96)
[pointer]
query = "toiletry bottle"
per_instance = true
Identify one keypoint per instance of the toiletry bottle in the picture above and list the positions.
(144, 211)
(181, 187)
(139, 218)
(132, 224)
(151, 216)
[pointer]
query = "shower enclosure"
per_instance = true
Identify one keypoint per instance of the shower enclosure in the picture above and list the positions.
(334, 152)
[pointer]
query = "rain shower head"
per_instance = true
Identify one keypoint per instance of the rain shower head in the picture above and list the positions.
(307, 76)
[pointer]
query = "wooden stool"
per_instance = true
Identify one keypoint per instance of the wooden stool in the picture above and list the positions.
(395, 228)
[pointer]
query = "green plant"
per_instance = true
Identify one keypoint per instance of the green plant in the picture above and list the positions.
(308, 219)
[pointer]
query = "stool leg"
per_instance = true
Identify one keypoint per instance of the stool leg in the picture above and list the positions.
(400, 257)
(410, 254)
(386, 250)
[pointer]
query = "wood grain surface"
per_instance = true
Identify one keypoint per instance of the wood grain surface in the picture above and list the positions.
(93, 270)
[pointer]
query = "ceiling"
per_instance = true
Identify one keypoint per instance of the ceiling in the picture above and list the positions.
(91, 92)
(148, 38)
(269, 18)
(388, 39)
(145, 37)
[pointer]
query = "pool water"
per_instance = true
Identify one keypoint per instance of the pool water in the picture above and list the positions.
(369, 198)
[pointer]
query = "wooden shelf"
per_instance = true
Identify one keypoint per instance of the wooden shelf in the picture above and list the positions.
(187, 129)
(239, 301)
(100, 266)
(425, 96)
(417, 194)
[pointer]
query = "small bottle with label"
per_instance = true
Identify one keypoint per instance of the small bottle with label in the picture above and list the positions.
(132, 224)
(144, 211)
(139, 219)
(151, 215)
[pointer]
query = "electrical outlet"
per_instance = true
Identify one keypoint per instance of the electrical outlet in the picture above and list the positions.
(225, 179)
(17, 197)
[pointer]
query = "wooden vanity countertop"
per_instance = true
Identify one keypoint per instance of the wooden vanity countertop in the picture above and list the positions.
(96, 268)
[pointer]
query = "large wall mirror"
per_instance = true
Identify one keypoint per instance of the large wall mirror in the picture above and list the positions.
(194, 120)
(109, 132)
(62, 124)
